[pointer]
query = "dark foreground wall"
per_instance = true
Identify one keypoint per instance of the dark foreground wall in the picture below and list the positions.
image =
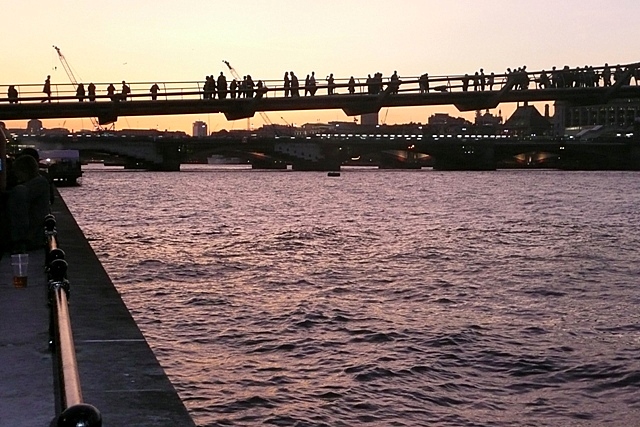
(118, 371)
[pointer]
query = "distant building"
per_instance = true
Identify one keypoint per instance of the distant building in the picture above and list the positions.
(200, 129)
(487, 119)
(527, 121)
(618, 114)
(34, 126)
(442, 123)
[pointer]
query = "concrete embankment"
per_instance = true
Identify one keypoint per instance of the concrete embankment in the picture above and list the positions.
(119, 373)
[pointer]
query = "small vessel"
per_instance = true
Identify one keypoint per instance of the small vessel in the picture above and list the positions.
(63, 166)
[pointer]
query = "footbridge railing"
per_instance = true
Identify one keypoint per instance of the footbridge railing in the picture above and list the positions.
(517, 79)
(71, 410)
(242, 99)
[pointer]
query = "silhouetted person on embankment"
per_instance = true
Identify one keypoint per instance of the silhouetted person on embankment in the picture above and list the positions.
(28, 204)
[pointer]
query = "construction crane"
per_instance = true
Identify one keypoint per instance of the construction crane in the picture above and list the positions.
(74, 81)
(236, 76)
(67, 67)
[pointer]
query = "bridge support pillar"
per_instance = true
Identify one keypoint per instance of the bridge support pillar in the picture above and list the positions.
(466, 157)
(166, 166)
(131, 163)
(323, 165)
(268, 164)
(401, 159)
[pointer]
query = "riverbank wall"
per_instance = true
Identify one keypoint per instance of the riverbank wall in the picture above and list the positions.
(119, 373)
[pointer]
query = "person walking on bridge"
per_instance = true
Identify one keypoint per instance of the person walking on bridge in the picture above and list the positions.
(295, 86)
(394, 82)
(12, 94)
(80, 92)
(111, 92)
(465, 83)
(222, 86)
(126, 91)
(306, 85)
(331, 86)
(312, 84)
(47, 89)
(154, 91)
(91, 91)
(287, 84)
(233, 89)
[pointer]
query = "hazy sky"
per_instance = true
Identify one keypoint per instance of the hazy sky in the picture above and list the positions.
(185, 40)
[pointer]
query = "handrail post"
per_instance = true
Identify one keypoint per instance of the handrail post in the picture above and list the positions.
(74, 412)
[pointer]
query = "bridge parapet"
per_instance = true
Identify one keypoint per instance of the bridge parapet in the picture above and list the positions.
(589, 85)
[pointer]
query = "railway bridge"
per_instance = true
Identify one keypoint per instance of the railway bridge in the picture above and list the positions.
(587, 86)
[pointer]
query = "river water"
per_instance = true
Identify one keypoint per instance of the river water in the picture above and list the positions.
(385, 298)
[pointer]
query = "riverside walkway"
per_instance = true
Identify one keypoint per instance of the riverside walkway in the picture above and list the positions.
(586, 86)
(119, 373)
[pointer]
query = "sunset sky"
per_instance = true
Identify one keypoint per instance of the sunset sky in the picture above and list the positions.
(162, 40)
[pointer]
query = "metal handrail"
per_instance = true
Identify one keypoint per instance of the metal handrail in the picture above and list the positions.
(193, 89)
(73, 411)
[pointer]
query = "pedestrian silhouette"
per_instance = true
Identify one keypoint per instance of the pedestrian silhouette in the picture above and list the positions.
(111, 92)
(394, 82)
(80, 92)
(91, 92)
(491, 80)
(12, 94)
(352, 86)
(287, 84)
(209, 88)
(606, 75)
(295, 85)
(154, 91)
(312, 84)
(222, 86)
(47, 88)
(423, 83)
(465, 83)
(233, 89)
(249, 85)
(330, 84)
(126, 90)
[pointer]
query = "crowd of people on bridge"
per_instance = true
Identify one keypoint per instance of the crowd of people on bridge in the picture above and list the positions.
(518, 79)
(587, 76)
(245, 88)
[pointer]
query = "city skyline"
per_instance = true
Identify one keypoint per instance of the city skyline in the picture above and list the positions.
(170, 41)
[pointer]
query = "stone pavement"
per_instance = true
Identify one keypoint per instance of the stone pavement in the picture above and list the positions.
(119, 373)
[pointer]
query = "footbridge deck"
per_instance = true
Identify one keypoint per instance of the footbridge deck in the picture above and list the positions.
(476, 92)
